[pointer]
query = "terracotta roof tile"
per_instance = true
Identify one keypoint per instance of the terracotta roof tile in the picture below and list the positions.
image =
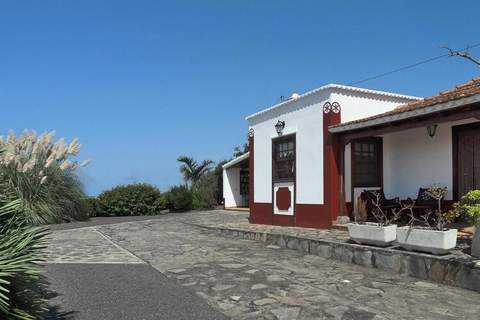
(463, 90)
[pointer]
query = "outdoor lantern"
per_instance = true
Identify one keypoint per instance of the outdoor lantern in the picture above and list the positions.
(432, 129)
(279, 126)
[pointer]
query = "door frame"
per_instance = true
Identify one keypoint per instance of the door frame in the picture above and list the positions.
(379, 142)
(455, 131)
(294, 204)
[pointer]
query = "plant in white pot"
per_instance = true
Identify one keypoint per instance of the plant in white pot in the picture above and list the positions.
(469, 208)
(381, 233)
(428, 232)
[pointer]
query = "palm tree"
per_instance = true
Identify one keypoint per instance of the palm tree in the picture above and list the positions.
(192, 171)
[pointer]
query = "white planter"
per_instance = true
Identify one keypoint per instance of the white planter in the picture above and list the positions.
(476, 242)
(372, 233)
(431, 241)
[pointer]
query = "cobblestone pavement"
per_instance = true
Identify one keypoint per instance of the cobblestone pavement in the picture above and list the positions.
(246, 279)
(86, 245)
(239, 221)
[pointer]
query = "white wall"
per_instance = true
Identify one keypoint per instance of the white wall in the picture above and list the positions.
(412, 159)
(231, 187)
(305, 119)
(358, 105)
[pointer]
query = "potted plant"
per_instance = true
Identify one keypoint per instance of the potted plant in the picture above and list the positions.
(429, 234)
(381, 233)
(469, 208)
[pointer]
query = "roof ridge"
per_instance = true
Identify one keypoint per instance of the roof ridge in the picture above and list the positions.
(333, 86)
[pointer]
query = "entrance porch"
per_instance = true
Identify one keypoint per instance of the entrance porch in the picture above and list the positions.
(435, 141)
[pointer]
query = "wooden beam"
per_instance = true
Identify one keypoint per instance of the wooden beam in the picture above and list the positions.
(411, 123)
(342, 217)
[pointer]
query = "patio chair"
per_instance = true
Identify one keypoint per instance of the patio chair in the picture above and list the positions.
(425, 201)
(387, 205)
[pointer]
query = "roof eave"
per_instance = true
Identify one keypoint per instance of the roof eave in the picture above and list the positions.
(237, 160)
(407, 114)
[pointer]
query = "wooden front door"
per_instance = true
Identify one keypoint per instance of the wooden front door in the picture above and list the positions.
(283, 175)
(244, 185)
(467, 141)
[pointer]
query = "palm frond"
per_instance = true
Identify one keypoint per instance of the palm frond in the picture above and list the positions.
(192, 171)
(22, 286)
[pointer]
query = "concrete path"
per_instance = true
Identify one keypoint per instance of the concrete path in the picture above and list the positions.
(91, 277)
(115, 291)
(245, 279)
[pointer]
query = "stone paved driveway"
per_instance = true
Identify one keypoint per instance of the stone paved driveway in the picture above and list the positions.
(86, 245)
(248, 280)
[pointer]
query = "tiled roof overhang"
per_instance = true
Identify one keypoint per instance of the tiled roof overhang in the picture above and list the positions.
(458, 97)
(389, 118)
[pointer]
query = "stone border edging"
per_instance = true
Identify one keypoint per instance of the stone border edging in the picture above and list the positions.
(449, 269)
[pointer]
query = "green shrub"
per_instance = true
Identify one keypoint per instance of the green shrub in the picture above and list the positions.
(23, 288)
(203, 199)
(218, 172)
(163, 202)
(180, 199)
(469, 207)
(130, 200)
(204, 193)
(64, 192)
(38, 185)
(94, 207)
(41, 174)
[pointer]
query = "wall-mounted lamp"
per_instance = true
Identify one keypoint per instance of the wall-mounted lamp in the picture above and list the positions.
(279, 126)
(432, 129)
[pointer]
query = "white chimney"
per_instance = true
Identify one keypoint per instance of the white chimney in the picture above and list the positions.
(294, 96)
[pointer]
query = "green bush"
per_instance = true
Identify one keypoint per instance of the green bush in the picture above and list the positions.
(204, 193)
(94, 207)
(130, 200)
(38, 185)
(23, 288)
(218, 173)
(469, 207)
(163, 202)
(180, 199)
(42, 175)
(64, 193)
(203, 199)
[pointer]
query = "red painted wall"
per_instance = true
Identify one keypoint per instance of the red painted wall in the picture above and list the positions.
(331, 164)
(312, 216)
(261, 213)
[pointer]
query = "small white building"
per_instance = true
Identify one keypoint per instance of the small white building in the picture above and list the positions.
(312, 155)
(236, 182)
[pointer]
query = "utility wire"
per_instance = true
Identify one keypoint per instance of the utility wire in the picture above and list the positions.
(411, 65)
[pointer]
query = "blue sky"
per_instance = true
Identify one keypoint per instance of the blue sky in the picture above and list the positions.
(142, 82)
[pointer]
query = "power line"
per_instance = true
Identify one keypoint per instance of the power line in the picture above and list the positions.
(411, 65)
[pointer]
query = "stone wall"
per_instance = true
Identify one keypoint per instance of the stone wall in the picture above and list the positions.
(461, 271)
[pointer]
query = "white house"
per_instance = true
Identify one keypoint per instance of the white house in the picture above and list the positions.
(236, 182)
(313, 154)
